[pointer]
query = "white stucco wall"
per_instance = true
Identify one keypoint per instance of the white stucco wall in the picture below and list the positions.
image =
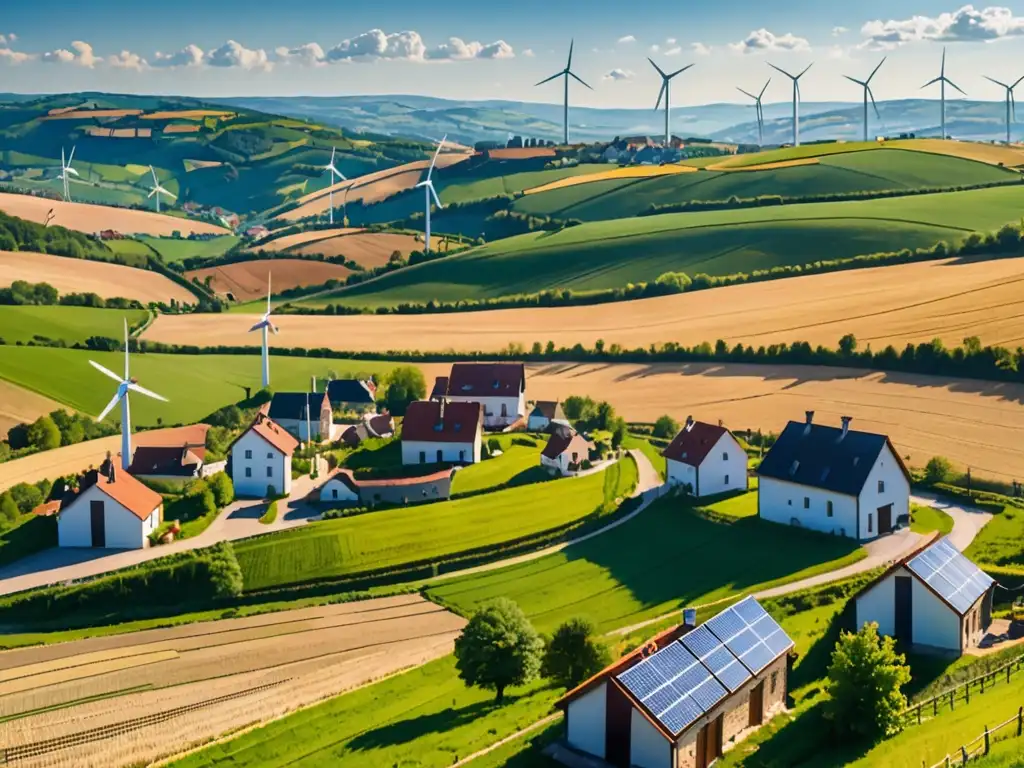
(450, 452)
(934, 623)
(122, 528)
(647, 747)
(779, 501)
(897, 493)
(726, 459)
(336, 491)
(878, 604)
(586, 722)
(515, 407)
(263, 456)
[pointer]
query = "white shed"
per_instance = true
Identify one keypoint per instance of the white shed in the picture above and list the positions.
(707, 459)
(566, 451)
(261, 459)
(934, 598)
(340, 488)
(112, 509)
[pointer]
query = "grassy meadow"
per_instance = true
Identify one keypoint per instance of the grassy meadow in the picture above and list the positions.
(72, 325)
(172, 249)
(518, 465)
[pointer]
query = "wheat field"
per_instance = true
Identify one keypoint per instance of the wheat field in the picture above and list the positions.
(85, 217)
(627, 172)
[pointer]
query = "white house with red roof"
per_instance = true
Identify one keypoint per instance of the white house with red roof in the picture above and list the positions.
(707, 459)
(261, 459)
(499, 387)
(441, 432)
(566, 451)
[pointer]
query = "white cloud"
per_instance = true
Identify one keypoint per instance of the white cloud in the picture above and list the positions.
(670, 41)
(627, 39)
(674, 51)
(128, 60)
(12, 37)
(458, 50)
(310, 54)
(837, 31)
(376, 44)
(967, 24)
(408, 46)
(189, 56)
(528, 53)
(78, 53)
(762, 40)
(234, 54)
(619, 74)
(655, 48)
(14, 57)
(700, 49)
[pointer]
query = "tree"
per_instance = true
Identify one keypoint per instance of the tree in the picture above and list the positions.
(937, 470)
(865, 678)
(665, 426)
(574, 654)
(8, 509)
(223, 489)
(618, 430)
(498, 648)
(405, 384)
(848, 345)
(43, 434)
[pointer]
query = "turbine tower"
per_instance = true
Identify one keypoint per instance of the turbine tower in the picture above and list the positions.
(796, 99)
(566, 73)
(158, 190)
(866, 85)
(759, 109)
(124, 386)
(1011, 105)
(263, 325)
(330, 167)
(428, 190)
(65, 170)
(942, 80)
(665, 79)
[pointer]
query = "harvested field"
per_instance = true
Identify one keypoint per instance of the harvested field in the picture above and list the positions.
(767, 166)
(181, 129)
(629, 172)
(20, 406)
(80, 276)
(993, 154)
(247, 280)
(88, 114)
(301, 238)
(187, 114)
(301, 656)
(118, 133)
(368, 249)
(84, 217)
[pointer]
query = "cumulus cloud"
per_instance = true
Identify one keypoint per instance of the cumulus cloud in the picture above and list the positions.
(14, 57)
(700, 49)
(655, 48)
(627, 39)
(127, 60)
(189, 56)
(837, 31)
(619, 74)
(967, 24)
(234, 54)
(376, 44)
(310, 54)
(408, 46)
(528, 53)
(674, 51)
(79, 53)
(762, 40)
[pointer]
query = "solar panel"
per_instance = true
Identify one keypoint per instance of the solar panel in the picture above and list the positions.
(684, 712)
(955, 578)
(716, 657)
(641, 680)
(750, 634)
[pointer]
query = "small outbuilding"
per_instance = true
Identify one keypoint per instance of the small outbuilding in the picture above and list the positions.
(289, 411)
(441, 432)
(339, 488)
(157, 462)
(544, 414)
(352, 395)
(261, 459)
(706, 459)
(566, 451)
(934, 598)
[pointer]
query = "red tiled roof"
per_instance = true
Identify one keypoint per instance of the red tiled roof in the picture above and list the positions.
(382, 425)
(435, 421)
(130, 493)
(395, 482)
(273, 433)
(48, 508)
(694, 442)
(487, 380)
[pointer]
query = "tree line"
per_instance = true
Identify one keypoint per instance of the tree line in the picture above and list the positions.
(22, 293)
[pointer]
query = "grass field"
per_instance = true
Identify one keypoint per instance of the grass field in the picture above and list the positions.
(652, 452)
(176, 250)
(69, 324)
(1001, 541)
(691, 560)
(927, 519)
(391, 538)
(518, 465)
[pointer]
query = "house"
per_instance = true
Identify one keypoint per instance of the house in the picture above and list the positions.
(257, 232)
(110, 234)
(834, 480)
(342, 488)
(544, 414)
(611, 154)
(566, 451)
(110, 509)
(352, 395)
(261, 459)
(706, 459)
(168, 462)
(339, 488)
(934, 598)
(289, 409)
(676, 701)
(499, 387)
(436, 431)
(371, 426)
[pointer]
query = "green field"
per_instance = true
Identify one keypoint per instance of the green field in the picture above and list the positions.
(72, 325)
(686, 559)
(927, 519)
(195, 385)
(1001, 541)
(518, 465)
(390, 538)
(610, 254)
(172, 249)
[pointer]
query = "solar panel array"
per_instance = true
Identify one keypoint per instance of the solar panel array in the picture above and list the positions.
(691, 676)
(959, 581)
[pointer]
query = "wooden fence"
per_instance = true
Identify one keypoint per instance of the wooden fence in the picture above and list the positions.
(981, 745)
(917, 713)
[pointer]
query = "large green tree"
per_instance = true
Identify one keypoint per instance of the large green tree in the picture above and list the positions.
(574, 653)
(498, 648)
(43, 434)
(404, 384)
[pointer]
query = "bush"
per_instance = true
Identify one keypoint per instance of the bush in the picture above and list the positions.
(270, 515)
(938, 470)
(404, 385)
(43, 434)
(222, 487)
(574, 654)
(225, 574)
(665, 426)
(498, 648)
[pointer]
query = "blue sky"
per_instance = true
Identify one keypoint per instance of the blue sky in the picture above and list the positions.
(474, 50)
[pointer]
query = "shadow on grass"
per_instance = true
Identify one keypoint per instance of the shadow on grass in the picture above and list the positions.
(804, 741)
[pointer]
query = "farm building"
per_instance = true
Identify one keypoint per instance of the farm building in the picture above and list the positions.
(435, 431)
(376, 426)
(289, 410)
(339, 488)
(352, 395)
(111, 509)
(676, 701)
(343, 488)
(545, 413)
(261, 459)
(165, 462)
(566, 451)
(706, 459)
(933, 598)
(835, 480)
(499, 387)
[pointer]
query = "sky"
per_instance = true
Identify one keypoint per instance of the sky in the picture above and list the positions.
(472, 49)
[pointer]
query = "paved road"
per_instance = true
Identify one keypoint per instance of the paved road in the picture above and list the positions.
(967, 521)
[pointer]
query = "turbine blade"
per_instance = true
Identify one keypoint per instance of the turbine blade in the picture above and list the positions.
(436, 153)
(259, 325)
(1017, 82)
(549, 79)
(855, 80)
(110, 406)
(942, 72)
(932, 82)
(877, 68)
(568, 66)
(872, 95)
(333, 150)
(72, 171)
(153, 171)
(956, 86)
(993, 80)
(273, 328)
(105, 371)
(433, 193)
(764, 89)
(574, 77)
(71, 157)
(63, 162)
(746, 93)
(143, 391)
(169, 194)
(805, 70)
(152, 192)
(661, 92)
(126, 374)
(656, 67)
(780, 70)
(680, 71)
(268, 295)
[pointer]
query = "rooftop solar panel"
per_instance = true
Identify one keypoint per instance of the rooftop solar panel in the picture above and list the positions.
(716, 657)
(955, 578)
(744, 629)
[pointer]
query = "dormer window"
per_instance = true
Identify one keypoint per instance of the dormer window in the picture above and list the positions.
(794, 466)
(439, 427)
(824, 473)
(466, 387)
(496, 384)
(458, 426)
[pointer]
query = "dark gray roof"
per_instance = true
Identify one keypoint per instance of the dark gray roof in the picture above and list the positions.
(349, 391)
(292, 405)
(814, 455)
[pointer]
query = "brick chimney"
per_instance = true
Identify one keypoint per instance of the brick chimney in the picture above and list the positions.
(810, 419)
(846, 427)
(689, 423)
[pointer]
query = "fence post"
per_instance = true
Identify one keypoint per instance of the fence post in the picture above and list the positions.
(935, 706)
(918, 714)
(963, 754)
(986, 740)
(967, 693)
(1020, 720)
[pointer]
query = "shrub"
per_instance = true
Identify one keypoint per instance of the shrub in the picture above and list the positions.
(574, 654)
(498, 648)
(665, 426)
(404, 384)
(938, 470)
(270, 515)
(223, 489)
(225, 574)
(43, 434)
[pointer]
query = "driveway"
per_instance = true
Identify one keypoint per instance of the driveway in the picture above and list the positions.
(967, 521)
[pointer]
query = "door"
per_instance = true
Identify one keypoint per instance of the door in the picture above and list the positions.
(709, 743)
(618, 714)
(756, 705)
(97, 524)
(885, 519)
(904, 626)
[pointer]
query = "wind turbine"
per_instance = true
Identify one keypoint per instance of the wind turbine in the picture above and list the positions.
(759, 110)
(428, 190)
(566, 73)
(796, 99)
(866, 85)
(263, 325)
(334, 172)
(942, 80)
(159, 190)
(665, 79)
(65, 169)
(124, 386)
(1011, 105)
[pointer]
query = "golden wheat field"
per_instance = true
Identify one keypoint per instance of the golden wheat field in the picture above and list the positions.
(368, 249)
(247, 280)
(187, 114)
(88, 114)
(628, 172)
(20, 406)
(301, 238)
(994, 154)
(765, 166)
(85, 217)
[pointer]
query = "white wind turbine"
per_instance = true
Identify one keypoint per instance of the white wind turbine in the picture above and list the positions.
(124, 386)
(566, 73)
(666, 78)
(1011, 105)
(263, 325)
(333, 170)
(942, 80)
(758, 109)
(796, 99)
(866, 85)
(159, 190)
(428, 190)
(66, 170)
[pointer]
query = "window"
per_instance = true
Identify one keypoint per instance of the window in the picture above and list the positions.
(248, 454)
(726, 479)
(462, 455)
(775, 681)
(828, 508)
(248, 471)
(440, 455)
(423, 457)
(270, 455)
(789, 502)
(270, 471)
(334, 493)
(881, 486)
(725, 456)
(504, 409)
(807, 502)
(870, 521)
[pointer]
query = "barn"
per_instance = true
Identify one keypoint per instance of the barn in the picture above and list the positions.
(707, 459)
(261, 459)
(439, 432)
(680, 699)
(934, 598)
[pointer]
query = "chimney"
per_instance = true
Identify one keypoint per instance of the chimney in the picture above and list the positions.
(810, 420)
(110, 471)
(721, 423)
(690, 617)
(689, 423)
(846, 426)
